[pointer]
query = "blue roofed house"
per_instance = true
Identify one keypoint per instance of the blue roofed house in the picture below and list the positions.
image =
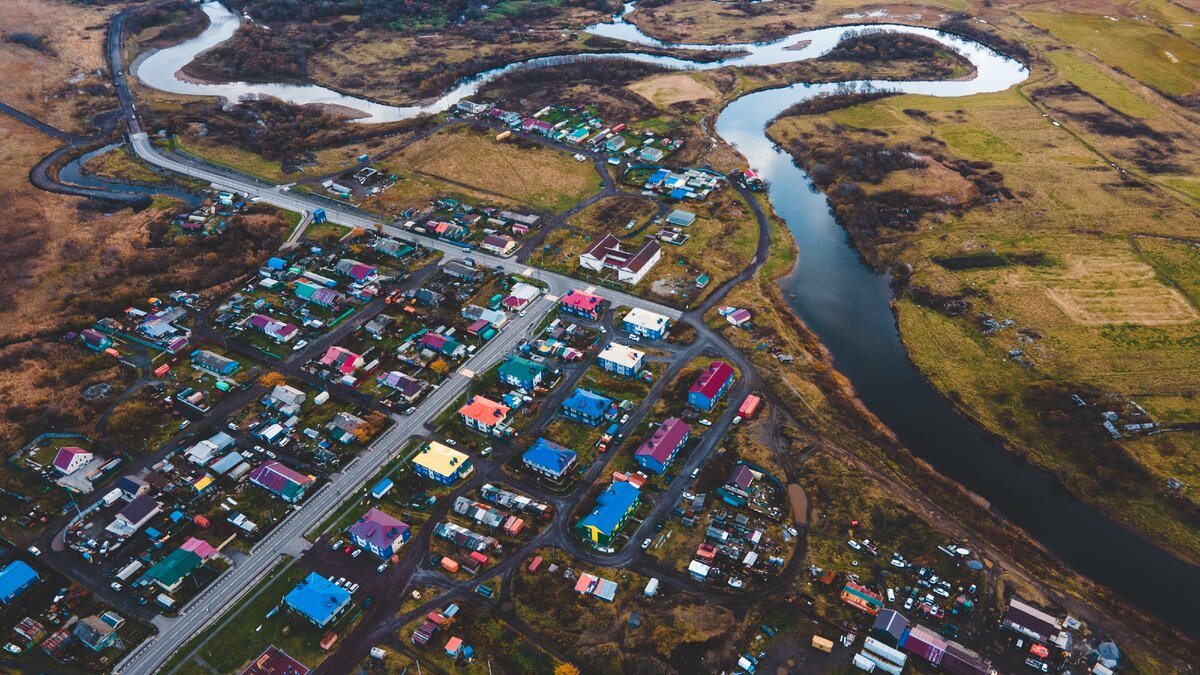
(660, 449)
(549, 459)
(522, 373)
(586, 406)
(15, 579)
(318, 599)
(214, 362)
(613, 508)
(622, 360)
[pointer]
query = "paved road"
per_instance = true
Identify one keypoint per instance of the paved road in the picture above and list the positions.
(287, 538)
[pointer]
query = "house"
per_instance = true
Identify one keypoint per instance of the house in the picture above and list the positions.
(622, 360)
(598, 586)
(341, 360)
(408, 388)
(471, 108)
(95, 340)
(132, 486)
(738, 317)
(343, 427)
(426, 297)
(499, 244)
(287, 399)
(614, 144)
(359, 272)
(586, 406)
(651, 154)
(522, 373)
(317, 599)
(278, 331)
(442, 464)
(275, 661)
(861, 598)
(520, 296)
(741, 478)
(549, 459)
(484, 415)
(378, 325)
(436, 342)
(630, 266)
(170, 572)
(379, 533)
(281, 481)
(536, 126)
(135, 514)
(1030, 621)
(526, 219)
(95, 633)
(492, 316)
(582, 304)
(681, 218)
(460, 270)
(317, 295)
(613, 508)
(70, 459)
(214, 363)
(645, 323)
(950, 656)
(15, 579)
(161, 324)
(710, 386)
(668, 439)
(889, 627)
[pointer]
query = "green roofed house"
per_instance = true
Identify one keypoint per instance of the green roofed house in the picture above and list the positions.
(170, 572)
(522, 373)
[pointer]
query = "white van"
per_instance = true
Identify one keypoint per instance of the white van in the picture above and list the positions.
(891, 595)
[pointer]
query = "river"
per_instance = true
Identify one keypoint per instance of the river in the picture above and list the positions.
(838, 296)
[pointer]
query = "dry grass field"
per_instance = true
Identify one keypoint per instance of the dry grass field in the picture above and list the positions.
(671, 88)
(545, 179)
(1100, 275)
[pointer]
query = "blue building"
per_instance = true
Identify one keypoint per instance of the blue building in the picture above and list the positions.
(710, 386)
(645, 323)
(549, 459)
(587, 407)
(621, 360)
(382, 488)
(522, 373)
(318, 599)
(214, 363)
(15, 580)
(613, 508)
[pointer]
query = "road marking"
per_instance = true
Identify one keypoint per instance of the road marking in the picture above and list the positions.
(590, 290)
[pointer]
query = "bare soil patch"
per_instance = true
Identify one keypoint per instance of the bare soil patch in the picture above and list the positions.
(799, 501)
(1097, 290)
(673, 88)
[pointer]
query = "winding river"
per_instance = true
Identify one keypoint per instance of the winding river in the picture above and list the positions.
(837, 295)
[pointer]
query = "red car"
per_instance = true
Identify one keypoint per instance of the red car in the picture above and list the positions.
(347, 549)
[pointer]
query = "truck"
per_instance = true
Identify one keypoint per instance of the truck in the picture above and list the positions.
(112, 497)
(824, 644)
(450, 565)
(319, 216)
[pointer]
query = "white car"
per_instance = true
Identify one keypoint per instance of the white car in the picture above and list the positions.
(338, 544)
(634, 338)
(706, 422)
(735, 582)
(116, 586)
(942, 592)
(646, 544)
(908, 604)
(299, 345)
(357, 552)
(353, 587)
(695, 472)
(34, 551)
(854, 545)
(382, 568)
(451, 442)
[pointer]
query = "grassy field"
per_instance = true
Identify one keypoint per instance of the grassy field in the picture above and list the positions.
(545, 179)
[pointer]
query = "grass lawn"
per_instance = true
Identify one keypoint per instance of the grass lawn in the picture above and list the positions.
(326, 233)
(545, 179)
(245, 631)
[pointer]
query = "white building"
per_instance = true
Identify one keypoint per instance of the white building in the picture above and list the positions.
(631, 266)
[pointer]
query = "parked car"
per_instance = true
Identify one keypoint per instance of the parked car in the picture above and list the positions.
(706, 422)
(646, 544)
(357, 552)
(486, 451)
(735, 582)
(299, 345)
(410, 410)
(695, 472)
(451, 442)
(854, 545)
(382, 568)
(34, 551)
(338, 544)
(908, 603)
(116, 586)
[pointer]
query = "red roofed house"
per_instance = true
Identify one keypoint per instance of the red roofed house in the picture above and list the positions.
(355, 270)
(342, 360)
(70, 459)
(711, 384)
(582, 304)
(483, 414)
(379, 533)
(275, 661)
(289, 485)
(630, 266)
(200, 547)
(658, 450)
